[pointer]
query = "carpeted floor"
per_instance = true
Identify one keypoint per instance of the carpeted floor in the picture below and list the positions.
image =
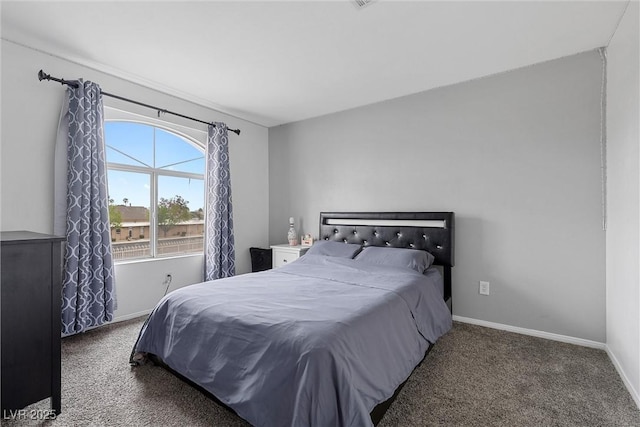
(474, 376)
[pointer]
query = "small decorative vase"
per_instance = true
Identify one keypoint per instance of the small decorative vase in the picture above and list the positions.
(292, 235)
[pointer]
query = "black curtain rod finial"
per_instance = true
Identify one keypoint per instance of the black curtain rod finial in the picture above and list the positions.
(236, 131)
(44, 76)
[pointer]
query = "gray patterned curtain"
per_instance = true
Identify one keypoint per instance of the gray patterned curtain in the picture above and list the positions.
(88, 292)
(219, 255)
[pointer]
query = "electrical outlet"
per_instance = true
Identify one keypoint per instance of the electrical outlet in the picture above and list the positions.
(484, 288)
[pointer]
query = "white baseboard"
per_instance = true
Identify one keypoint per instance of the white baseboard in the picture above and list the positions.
(116, 320)
(632, 391)
(532, 332)
(562, 338)
(131, 316)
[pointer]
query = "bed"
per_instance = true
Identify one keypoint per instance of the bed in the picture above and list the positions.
(328, 339)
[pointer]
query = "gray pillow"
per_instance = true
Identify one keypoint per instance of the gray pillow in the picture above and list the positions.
(412, 258)
(332, 248)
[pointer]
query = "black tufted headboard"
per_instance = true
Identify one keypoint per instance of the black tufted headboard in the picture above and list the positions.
(430, 231)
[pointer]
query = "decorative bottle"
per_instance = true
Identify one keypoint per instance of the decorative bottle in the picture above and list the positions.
(292, 235)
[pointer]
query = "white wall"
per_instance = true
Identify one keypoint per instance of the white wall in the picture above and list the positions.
(623, 231)
(140, 285)
(30, 111)
(516, 156)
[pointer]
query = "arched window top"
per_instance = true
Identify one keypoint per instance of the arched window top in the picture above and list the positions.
(143, 145)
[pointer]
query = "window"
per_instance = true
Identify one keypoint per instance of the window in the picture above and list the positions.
(156, 191)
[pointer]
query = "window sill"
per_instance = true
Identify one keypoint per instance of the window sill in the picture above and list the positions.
(156, 259)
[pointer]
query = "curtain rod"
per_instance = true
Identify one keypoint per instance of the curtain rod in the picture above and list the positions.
(44, 76)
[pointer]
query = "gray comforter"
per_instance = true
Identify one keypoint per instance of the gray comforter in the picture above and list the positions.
(319, 342)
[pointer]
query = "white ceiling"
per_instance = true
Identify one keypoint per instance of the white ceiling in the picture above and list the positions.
(277, 62)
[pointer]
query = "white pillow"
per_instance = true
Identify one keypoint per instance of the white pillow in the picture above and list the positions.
(333, 248)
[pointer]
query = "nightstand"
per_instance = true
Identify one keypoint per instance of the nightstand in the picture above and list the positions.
(283, 254)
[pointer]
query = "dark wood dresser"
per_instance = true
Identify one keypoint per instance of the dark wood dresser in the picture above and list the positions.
(31, 276)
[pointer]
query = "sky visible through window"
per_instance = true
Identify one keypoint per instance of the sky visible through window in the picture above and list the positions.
(133, 144)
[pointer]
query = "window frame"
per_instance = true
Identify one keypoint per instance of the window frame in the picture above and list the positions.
(114, 115)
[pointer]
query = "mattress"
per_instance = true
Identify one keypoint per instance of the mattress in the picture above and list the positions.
(320, 341)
